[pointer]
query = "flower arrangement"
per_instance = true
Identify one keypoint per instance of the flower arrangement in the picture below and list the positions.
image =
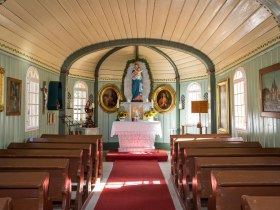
(122, 114)
(150, 114)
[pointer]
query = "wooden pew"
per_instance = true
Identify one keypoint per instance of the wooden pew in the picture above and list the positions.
(59, 182)
(201, 183)
(206, 143)
(28, 190)
(95, 140)
(187, 165)
(260, 202)
(87, 158)
(6, 203)
(228, 187)
(193, 137)
(76, 169)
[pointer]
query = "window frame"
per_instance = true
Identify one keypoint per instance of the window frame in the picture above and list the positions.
(236, 81)
(82, 111)
(195, 116)
(36, 81)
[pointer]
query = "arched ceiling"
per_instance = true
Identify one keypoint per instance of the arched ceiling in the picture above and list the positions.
(227, 31)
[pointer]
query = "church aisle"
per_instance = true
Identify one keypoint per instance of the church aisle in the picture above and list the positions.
(165, 169)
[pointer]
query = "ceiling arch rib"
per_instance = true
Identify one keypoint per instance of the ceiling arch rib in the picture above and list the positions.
(131, 42)
(110, 64)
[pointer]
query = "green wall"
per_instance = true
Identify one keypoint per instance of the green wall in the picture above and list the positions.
(263, 129)
(12, 128)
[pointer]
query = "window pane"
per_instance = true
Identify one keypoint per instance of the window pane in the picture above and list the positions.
(239, 100)
(32, 99)
(80, 99)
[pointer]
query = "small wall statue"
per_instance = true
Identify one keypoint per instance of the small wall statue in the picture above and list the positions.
(89, 110)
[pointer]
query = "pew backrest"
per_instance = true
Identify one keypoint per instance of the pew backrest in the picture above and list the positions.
(28, 190)
(6, 203)
(59, 182)
(260, 202)
(229, 186)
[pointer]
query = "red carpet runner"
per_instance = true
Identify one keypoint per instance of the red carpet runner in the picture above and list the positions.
(159, 155)
(135, 185)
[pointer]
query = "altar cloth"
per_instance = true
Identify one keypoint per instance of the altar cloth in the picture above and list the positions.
(136, 136)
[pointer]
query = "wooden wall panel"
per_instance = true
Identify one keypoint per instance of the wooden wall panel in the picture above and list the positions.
(12, 128)
(263, 129)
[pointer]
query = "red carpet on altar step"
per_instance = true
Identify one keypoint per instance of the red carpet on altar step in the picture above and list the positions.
(135, 185)
(159, 155)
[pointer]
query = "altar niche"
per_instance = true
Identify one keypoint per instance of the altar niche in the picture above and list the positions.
(137, 81)
(136, 110)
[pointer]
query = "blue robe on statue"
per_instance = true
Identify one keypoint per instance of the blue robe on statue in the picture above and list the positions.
(137, 86)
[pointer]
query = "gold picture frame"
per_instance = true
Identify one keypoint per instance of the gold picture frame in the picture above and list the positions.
(223, 106)
(13, 96)
(164, 98)
(269, 95)
(2, 71)
(108, 98)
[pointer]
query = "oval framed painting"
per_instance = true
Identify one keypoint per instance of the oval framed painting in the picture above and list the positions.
(164, 98)
(108, 98)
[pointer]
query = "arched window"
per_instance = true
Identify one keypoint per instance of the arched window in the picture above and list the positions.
(32, 99)
(193, 94)
(239, 92)
(80, 100)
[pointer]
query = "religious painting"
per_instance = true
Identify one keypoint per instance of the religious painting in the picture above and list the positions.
(164, 98)
(223, 106)
(136, 86)
(2, 89)
(109, 98)
(136, 111)
(270, 91)
(13, 96)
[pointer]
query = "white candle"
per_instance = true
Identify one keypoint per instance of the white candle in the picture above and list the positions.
(180, 105)
(118, 103)
(93, 105)
(152, 103)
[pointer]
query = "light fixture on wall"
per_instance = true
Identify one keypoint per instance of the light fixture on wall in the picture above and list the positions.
(182, 102)
(199, 107)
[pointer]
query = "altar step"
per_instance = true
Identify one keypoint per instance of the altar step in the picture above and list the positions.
(159, 155)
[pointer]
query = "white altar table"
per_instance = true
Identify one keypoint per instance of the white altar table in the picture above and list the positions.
(136, 136)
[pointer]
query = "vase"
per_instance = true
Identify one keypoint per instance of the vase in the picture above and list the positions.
(122, 119)
(151, 119)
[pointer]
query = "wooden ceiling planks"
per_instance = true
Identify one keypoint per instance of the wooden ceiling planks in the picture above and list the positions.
(172, 19)
(205, 19)
(184, 18)
(77, 15)
(225, 30)
(258, 32)
(196, 15)
(159, 17)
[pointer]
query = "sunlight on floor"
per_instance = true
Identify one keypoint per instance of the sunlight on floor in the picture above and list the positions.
(107, 167)
(116, 185)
